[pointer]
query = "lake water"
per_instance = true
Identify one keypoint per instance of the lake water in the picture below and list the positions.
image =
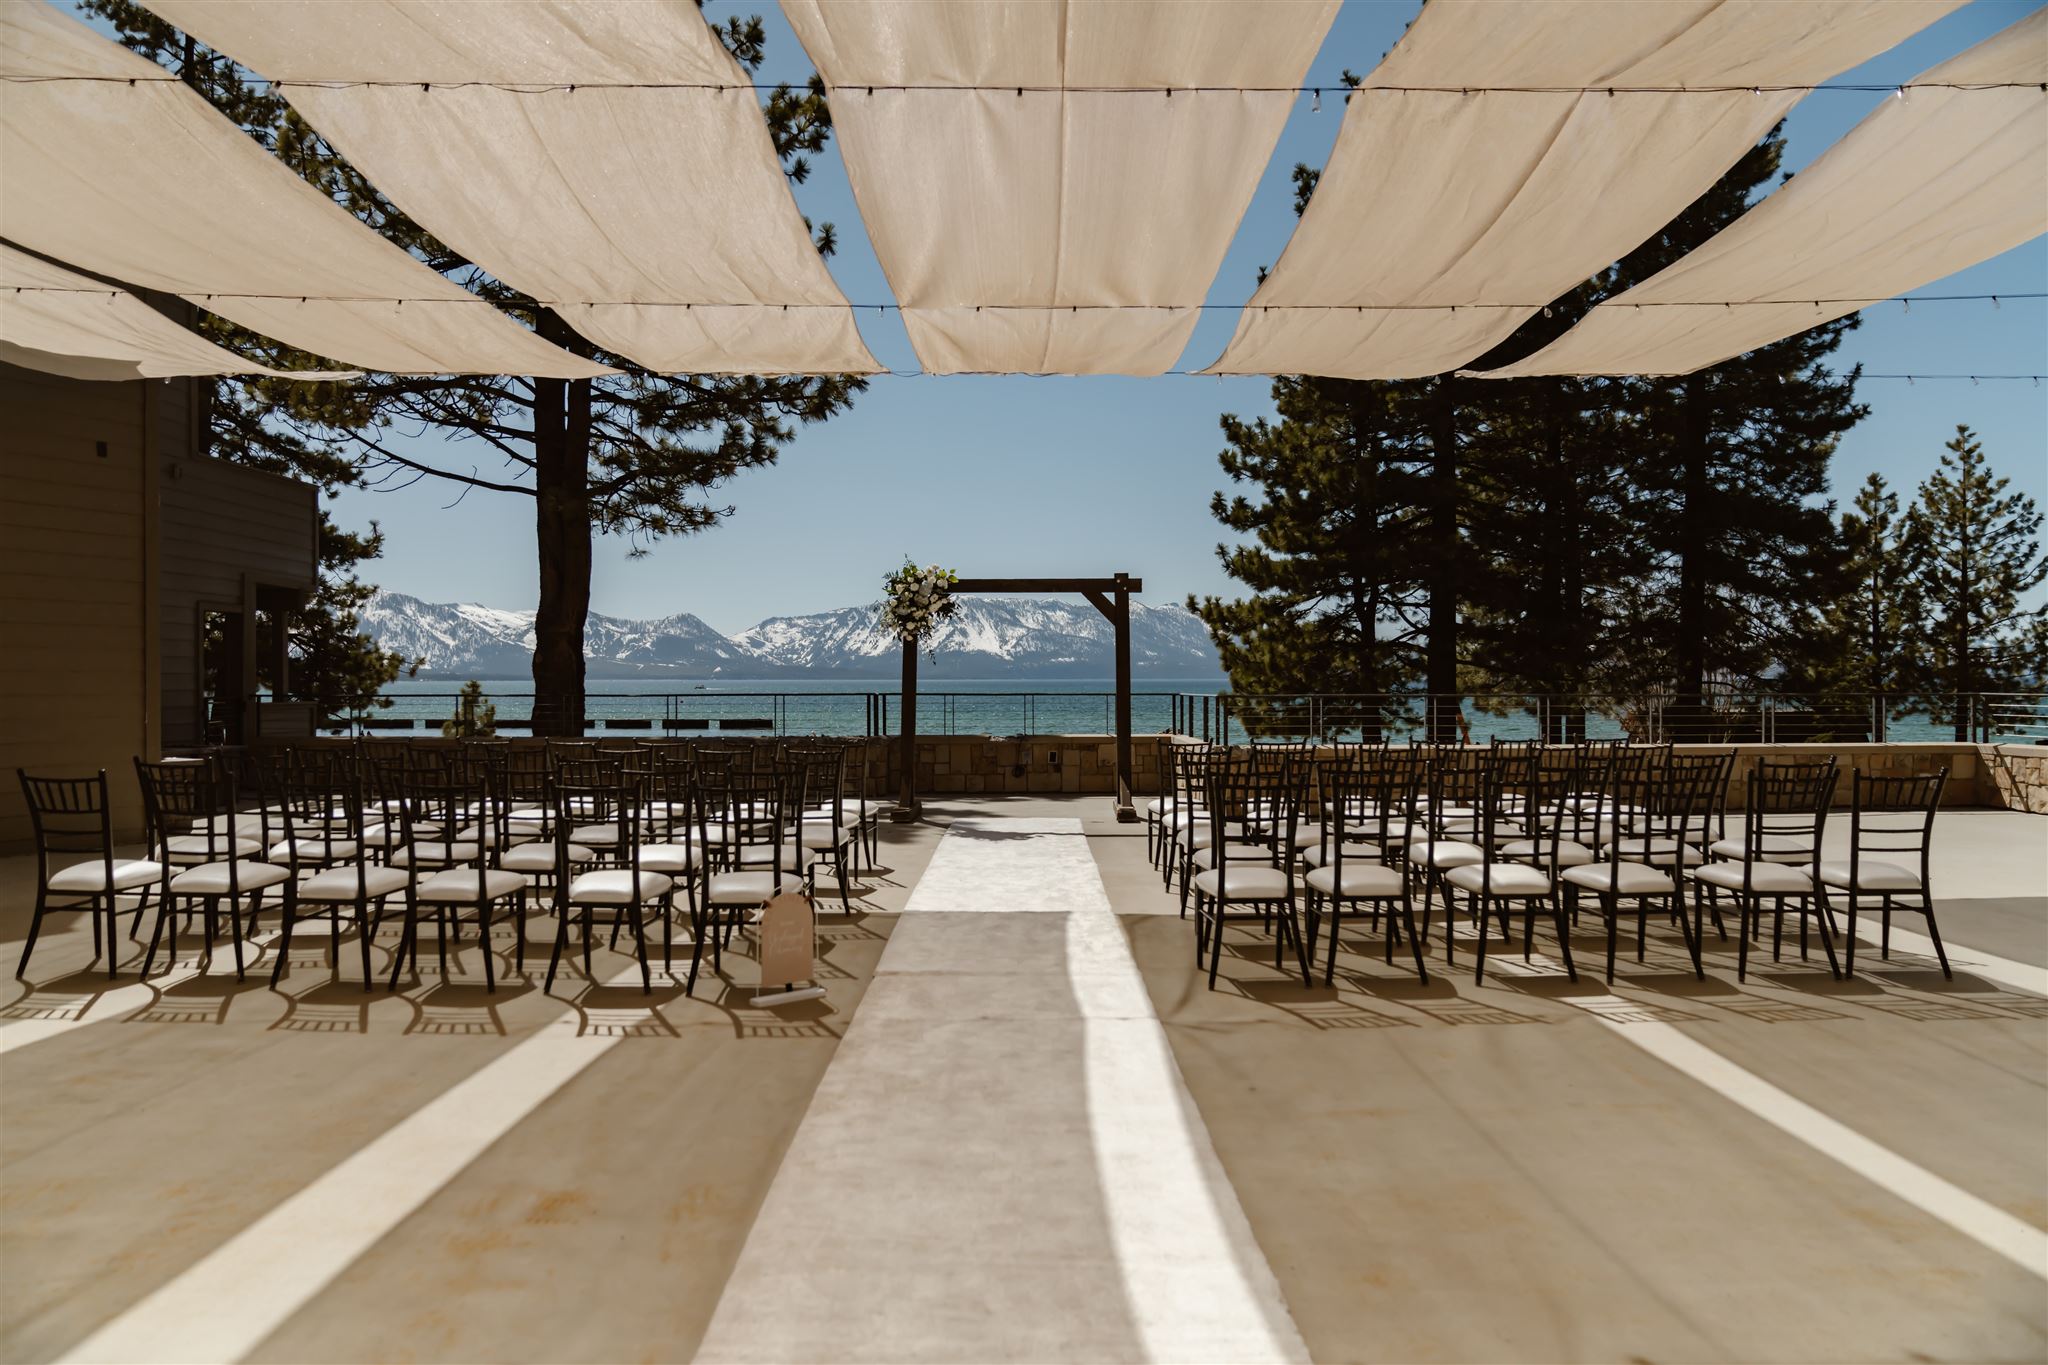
(1049, 706)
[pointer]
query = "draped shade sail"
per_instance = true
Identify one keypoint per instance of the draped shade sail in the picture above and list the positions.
(61, 322)
(1041, 203)
(1507, 198)
(617, 206)
(127, 173)
(1928, 184)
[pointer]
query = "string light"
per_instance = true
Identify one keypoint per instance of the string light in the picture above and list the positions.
(1996, 300)
(717, 87)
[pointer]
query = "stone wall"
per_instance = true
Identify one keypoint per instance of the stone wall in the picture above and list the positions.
(1049, 764)
(2013, 776)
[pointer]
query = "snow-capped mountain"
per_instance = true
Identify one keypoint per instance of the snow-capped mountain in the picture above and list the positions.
(992, 637)
(487, 642)
(987, 637)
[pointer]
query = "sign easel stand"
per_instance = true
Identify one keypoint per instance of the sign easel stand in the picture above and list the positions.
(788, 952)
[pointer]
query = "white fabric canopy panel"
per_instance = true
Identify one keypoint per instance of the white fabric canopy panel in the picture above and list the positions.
(1058, 212)
(1434, 197)
(147, 184)
(61, 322)
(1925, 186)
(616, 206)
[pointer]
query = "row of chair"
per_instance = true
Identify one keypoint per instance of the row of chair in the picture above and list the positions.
(1297, 836)
(460, 837)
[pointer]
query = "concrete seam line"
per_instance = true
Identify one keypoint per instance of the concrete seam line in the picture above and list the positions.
(223, 1306)
(1978, 1219)
(2011, 1237)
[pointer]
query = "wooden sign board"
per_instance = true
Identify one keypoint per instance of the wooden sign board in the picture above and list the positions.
(788, 943)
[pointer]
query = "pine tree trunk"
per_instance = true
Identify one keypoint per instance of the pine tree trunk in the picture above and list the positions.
(1689, 653)
(561, 449)
(1442, 659)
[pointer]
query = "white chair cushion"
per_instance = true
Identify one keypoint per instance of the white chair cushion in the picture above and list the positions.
(595, 835)
(763, 855)
(1362, 878)
(1569, 854)
(1766, 878)
(463, 885)
(431, 853)
(1445, 853)
(92, 876)
(1353, 848)
(211, 879)
(1621, 879)
(749, 888)
(1202, 833)
(1507, 879)
(339, 884)
(541, 857)
(615, 886)
(1159, 805)
(516, 832)
(1871, 876)
(1657, 848)
(670, 858)
(1249, 855)
(1243, 883)
(1776, 848)
(312, 850)
(187, 848)
(248, 824)
(824, 834)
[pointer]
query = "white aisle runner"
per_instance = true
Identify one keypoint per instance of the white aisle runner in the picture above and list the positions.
(1002, 1162)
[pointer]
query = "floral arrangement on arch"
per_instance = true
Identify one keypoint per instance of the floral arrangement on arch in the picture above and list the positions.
(915, 600)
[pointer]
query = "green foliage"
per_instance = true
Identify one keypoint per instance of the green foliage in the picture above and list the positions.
(1328, 547)
(1552, 534)
(1976, 552)
(332, 663)
(1866, 638)
(474, 717)
(646, 452)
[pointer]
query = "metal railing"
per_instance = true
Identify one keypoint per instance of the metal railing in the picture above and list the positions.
(1723, 717)
(708, 712)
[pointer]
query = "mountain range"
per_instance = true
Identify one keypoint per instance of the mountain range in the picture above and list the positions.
(986, 638)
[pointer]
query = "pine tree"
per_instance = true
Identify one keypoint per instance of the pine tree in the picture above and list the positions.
(1730, 463)
(474, 718)
(1866, 638)
(1977, 554)
(1354, 524)
(1331, 552)
(636, 455)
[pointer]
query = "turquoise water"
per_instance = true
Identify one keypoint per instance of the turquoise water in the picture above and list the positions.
(854, 706)
(837, 707)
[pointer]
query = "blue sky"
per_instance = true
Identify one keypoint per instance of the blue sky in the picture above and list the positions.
(1015, 475)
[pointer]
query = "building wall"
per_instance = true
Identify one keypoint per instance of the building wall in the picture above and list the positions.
(275, 525)
(78, 612)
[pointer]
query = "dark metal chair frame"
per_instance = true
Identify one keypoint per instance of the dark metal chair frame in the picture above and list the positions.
(1246, 788)
(1364, 797)
(72, 815)
(1891, 815)
(197, 800)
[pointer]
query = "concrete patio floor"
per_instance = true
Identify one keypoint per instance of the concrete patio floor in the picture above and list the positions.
(1021, 1127)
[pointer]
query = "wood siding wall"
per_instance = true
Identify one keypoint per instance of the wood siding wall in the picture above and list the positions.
(225, 528)
(78, 610)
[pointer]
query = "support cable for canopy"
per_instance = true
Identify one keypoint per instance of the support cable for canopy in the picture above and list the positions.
(1169, 91)
(1867, 301)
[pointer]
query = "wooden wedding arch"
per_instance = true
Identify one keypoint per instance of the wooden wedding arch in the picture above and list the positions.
(1112, 597)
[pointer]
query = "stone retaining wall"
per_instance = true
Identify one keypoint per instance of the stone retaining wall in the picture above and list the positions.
(2013, 776)
(2008, 776)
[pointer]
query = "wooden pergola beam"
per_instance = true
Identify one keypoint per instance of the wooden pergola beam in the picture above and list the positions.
(1110, 596)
